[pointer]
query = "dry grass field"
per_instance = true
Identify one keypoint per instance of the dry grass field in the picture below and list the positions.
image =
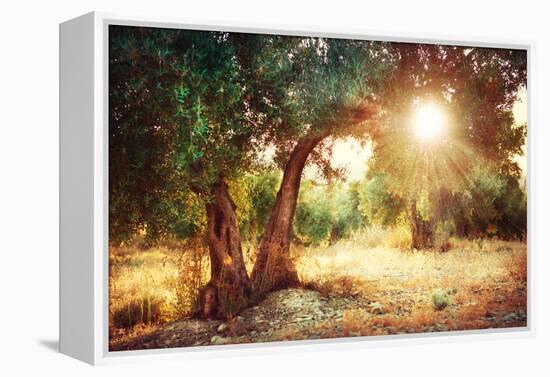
(475, 285)
(373, 290)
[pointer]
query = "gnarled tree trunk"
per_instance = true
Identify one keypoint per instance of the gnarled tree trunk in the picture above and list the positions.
(422, 231)
(229, 288)
(273, 268)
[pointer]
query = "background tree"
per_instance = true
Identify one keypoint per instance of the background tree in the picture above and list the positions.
(492, 205)
(326, 213)
(314, 218)
(258, 195)
(476, 88)
(377, 203)
(347, 215)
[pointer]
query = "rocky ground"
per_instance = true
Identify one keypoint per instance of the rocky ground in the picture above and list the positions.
(294, 314)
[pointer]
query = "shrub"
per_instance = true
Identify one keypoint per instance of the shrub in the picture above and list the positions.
(440, 299)
(492, 205)
(193, 267)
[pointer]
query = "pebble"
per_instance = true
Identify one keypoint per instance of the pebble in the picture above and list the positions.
(376, 308)
(510, 317)
(216, 339)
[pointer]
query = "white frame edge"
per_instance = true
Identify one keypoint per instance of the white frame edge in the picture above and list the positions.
(76, 188)
(82, 274)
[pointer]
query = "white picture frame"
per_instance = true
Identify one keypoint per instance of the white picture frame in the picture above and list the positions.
(84, 192)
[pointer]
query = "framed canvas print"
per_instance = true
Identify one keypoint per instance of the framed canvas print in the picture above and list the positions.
(230, 187)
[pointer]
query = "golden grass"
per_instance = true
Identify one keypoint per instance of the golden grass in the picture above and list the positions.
(484, 279)
(157, 285)
(412, 268)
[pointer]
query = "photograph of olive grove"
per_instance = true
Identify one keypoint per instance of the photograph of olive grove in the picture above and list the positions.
(267, 188)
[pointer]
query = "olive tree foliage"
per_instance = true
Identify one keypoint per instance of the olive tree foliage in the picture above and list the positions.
(189, 106)
(305, 86)
(191, 112)
(476, 89)
(312, 92)
(141, 137)
(313, 221)
(324, 212)
(493, 205)
(181, 132)
(177, 122)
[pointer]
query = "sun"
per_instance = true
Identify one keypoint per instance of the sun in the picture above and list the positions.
(429, 122)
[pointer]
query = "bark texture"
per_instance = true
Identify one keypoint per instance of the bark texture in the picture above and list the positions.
(274, 268)
(229, 285)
